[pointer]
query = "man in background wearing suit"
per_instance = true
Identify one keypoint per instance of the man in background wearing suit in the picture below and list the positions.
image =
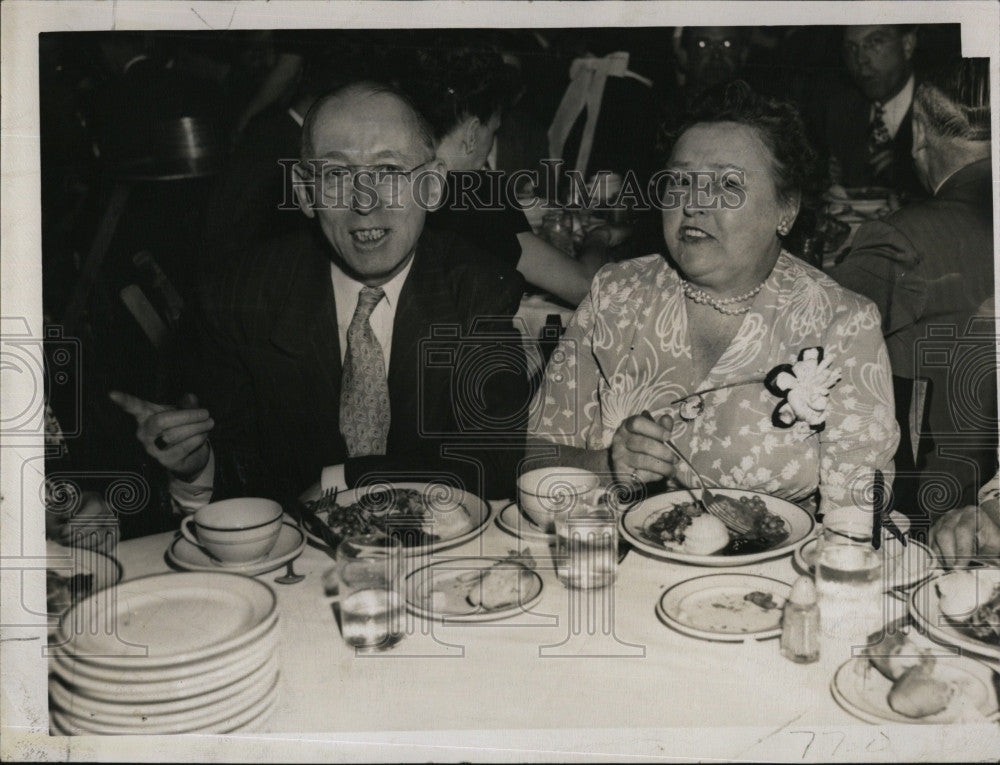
(867, 128)
(929, 269)
(312, 349)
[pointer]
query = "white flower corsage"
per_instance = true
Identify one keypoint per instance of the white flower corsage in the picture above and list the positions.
(804, 389)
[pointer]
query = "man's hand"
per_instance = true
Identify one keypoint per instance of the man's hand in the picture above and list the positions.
(638, 452)
(965, 533)
(94, 525)
(176, 437)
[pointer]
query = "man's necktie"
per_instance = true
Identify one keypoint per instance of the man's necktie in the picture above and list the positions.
(880, 148)
(364, 393)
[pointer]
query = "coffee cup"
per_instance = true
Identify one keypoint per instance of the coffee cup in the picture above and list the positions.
(235, 531)
(544, 493)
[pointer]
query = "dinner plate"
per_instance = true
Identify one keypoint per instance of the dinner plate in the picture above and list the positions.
(166, 619)
(127, 712)
(70, 561)
(908, 565)
(926, 612)
(239, 713)
(82, 672)
(459, 516)
(516, 523)
(801, 526)
(863, 691)
(132, 690)
(291, 541)
(714, 607)
(442, 590)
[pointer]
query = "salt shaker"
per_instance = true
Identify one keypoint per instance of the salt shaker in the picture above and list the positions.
(800, 623)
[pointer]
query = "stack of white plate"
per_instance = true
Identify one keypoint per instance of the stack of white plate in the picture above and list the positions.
(172, 653)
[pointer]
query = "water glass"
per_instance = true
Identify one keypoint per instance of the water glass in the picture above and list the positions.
(369, 570)
(848, 582)
(586, 547)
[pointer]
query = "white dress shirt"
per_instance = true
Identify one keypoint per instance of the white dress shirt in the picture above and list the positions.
(188, 497)
(895, 109)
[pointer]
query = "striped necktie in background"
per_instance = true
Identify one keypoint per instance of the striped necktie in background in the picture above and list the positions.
(880, 148)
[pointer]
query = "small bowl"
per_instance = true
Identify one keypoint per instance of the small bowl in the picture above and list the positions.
(241, 530)
(544, 493)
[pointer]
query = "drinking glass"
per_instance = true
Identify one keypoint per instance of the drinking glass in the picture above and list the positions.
(586, 547)
(369, 569)
(848, 582)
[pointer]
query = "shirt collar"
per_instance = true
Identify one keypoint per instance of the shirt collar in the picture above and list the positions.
(895, 109)
(346, 289)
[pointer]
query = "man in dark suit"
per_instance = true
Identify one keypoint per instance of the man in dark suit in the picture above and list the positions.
(867, 128)
(366, 349)
(929, 269)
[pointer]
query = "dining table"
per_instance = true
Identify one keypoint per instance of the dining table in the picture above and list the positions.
(573, 675)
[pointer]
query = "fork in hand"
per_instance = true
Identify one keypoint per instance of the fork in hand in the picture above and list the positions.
(709, 501)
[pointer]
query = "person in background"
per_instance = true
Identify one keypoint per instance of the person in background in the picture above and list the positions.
(462, 93)
(867, 128)
(690, 347)
(930, 264)
(312, 366)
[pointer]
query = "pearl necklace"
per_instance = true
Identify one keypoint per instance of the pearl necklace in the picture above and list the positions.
(721, 305)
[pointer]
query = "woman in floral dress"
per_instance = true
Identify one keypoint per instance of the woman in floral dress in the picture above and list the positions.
(764, 372)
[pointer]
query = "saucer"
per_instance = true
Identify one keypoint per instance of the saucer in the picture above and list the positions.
(516, 523)
(190, 557)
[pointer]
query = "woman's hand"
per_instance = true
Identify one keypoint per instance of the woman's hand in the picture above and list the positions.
(177, 438)
(965, 533)
(638, 452)
(94, 525)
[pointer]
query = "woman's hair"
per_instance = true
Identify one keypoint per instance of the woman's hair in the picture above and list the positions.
(449, 85)
(777, 123)
(955, 100)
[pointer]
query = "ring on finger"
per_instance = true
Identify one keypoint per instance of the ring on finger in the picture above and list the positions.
(634, 475)
(160, 443)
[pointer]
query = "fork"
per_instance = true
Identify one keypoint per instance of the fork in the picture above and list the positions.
(710, 501)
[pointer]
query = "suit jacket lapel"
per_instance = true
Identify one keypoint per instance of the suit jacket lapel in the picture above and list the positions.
(307, 330)
(423, 303)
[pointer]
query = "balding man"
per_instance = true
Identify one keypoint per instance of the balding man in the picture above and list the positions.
(353, 351)
(929, 269)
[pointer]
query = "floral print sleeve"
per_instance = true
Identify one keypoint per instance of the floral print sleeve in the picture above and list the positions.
(861, 433)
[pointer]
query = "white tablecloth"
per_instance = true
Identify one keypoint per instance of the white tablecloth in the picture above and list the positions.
(536, 684)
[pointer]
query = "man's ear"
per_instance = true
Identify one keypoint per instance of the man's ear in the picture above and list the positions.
(919, 133)
(909, 44)
(433, 181)
(304, 185)
(470, 135)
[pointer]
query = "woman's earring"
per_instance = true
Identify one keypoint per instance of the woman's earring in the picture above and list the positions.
(783, 228)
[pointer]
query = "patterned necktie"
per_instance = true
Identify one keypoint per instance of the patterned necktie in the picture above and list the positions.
(880, 147)
(364, 393)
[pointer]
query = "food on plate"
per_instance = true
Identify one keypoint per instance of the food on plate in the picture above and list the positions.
(958, 594)
(917, 693)
(894, 655)
(690, 529)
(704, 535)
(971, 602)
(498, 588)
(763, 599)
(415, 517)
(63, 591)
